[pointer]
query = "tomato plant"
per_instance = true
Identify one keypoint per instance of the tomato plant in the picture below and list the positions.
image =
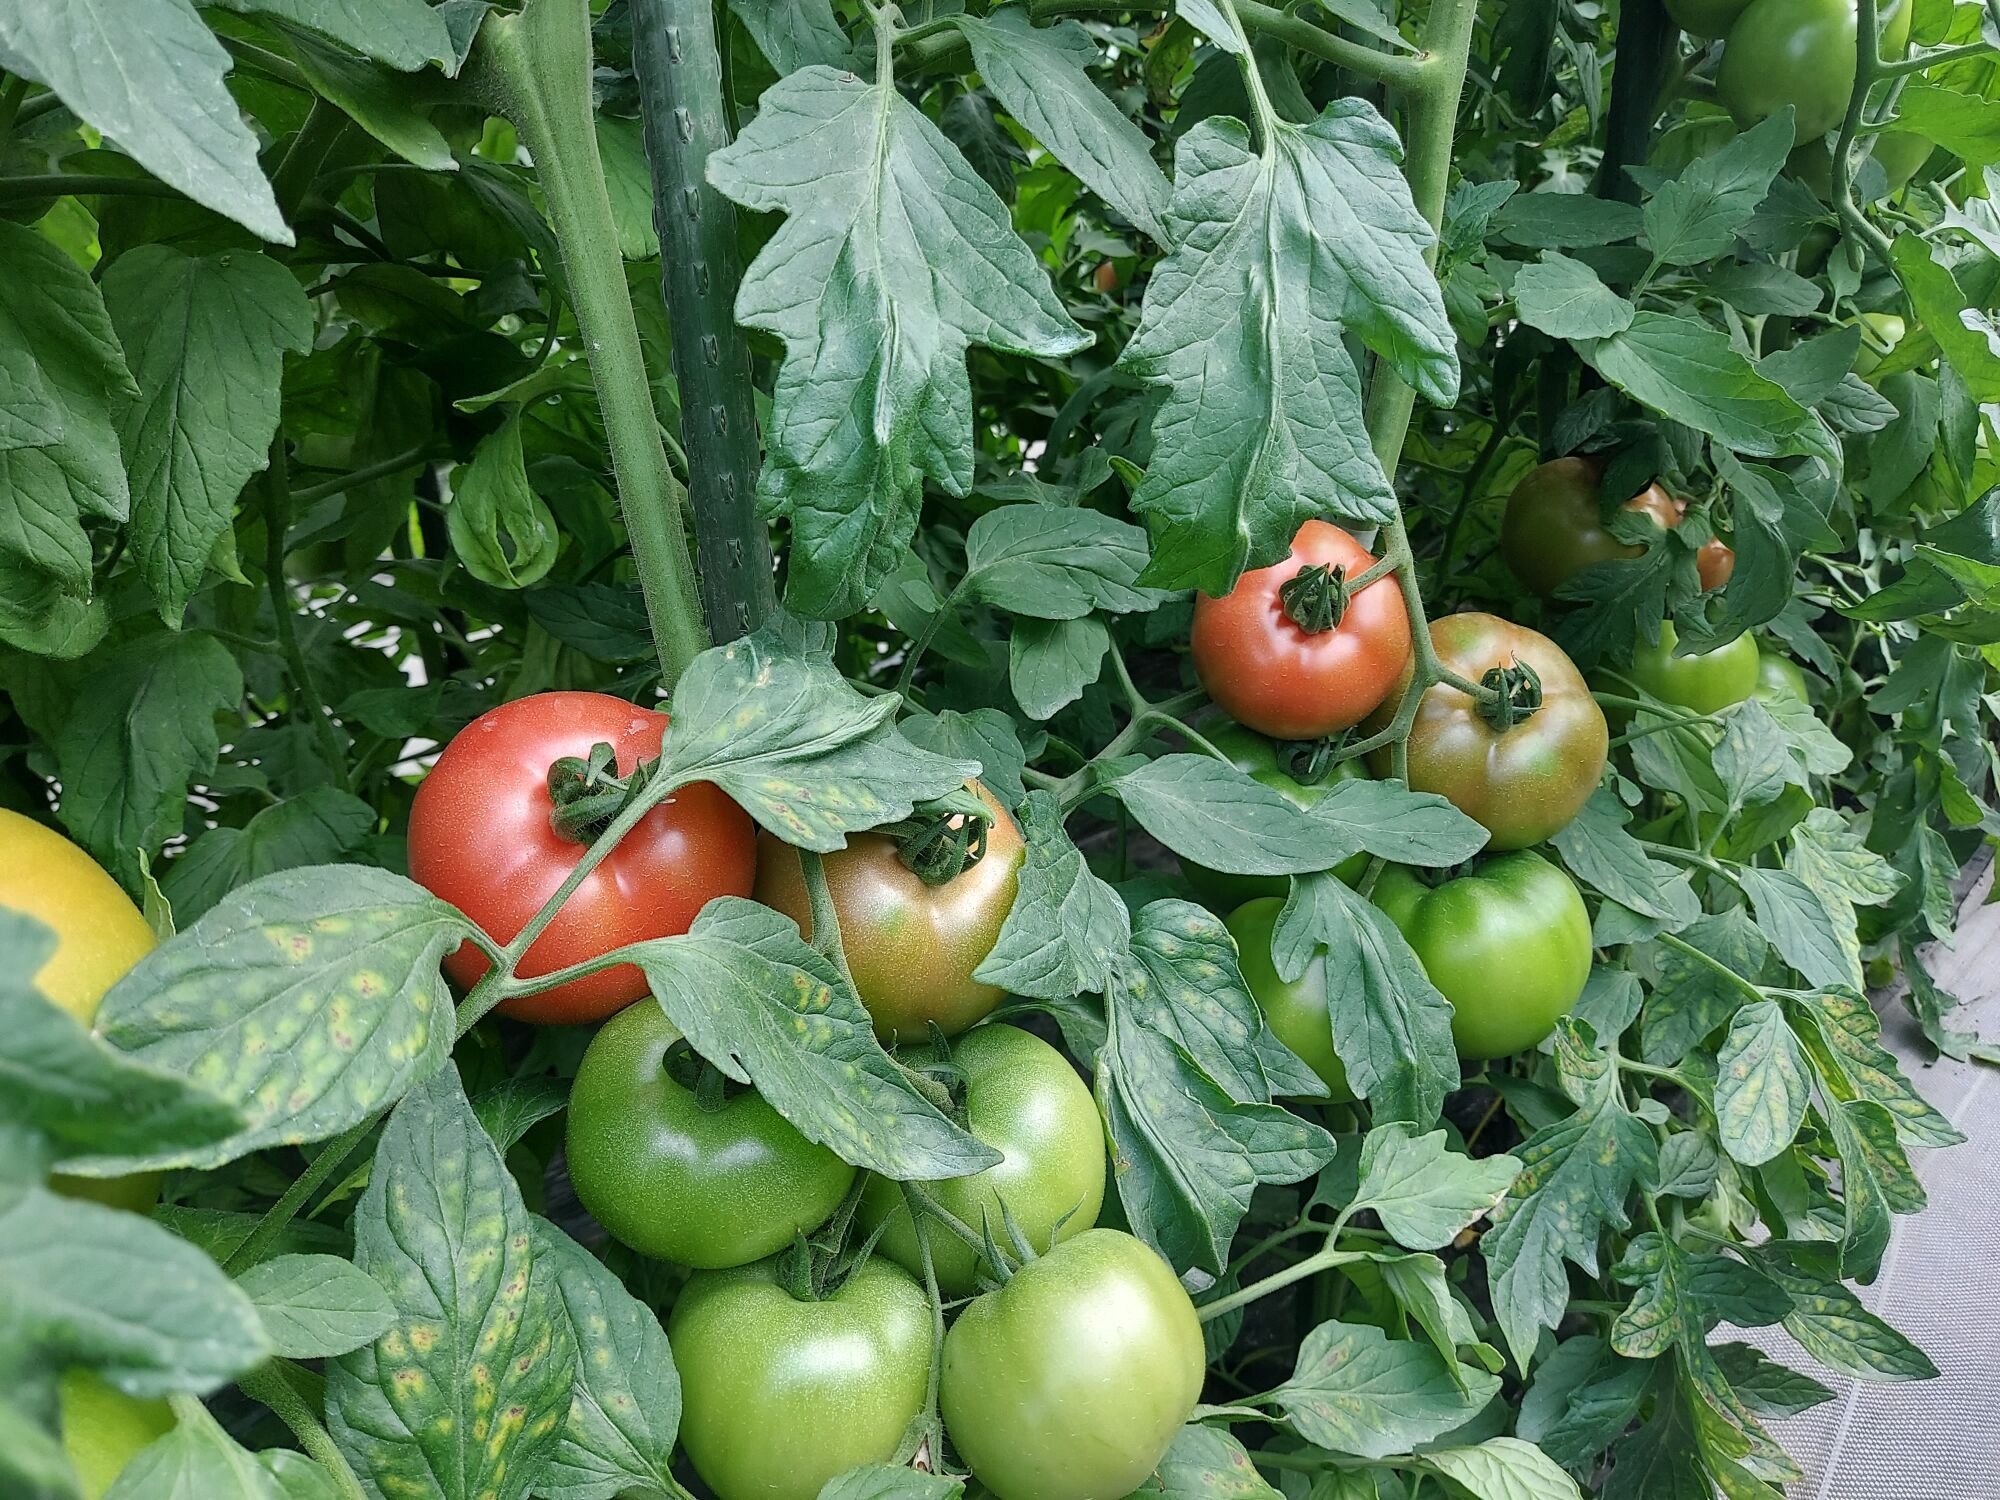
(680, 1174)
(1069, 1382)
(780, 1393)
(1022, 1098)
(930, 750)
(1508, 944)
(482, 836)
(1524, 780)
(1288, 651)
(917, 935)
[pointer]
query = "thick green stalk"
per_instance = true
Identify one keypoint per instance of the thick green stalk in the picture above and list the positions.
(1431, 117)
(535, 66)
(1647, 42)
(680, 91)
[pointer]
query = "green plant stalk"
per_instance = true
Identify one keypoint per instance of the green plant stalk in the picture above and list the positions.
(267, 1384)
(1323, 1259)
(680, 91)
(277, 532)
(1647, 43)
(1867, 69)
(535, 68)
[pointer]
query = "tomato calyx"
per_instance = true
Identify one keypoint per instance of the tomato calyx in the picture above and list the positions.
(943, 839)
(586, 792)
(813, 1270)
(712, 1088)
(1312, 762)
(1513, 695)
(938, 1078)
(1315, 598)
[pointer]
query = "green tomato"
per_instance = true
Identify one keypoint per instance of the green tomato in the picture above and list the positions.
(1070, 1381)
(1024, 1100)
(1801, 53)
(1508, 945)
(1257, 757)
(1705, 682)
(103, 1429)
(1780, 677)
(676, 1181)
(1705, 17)
(1880, 334)
(1296, 1010)
(780, 1395)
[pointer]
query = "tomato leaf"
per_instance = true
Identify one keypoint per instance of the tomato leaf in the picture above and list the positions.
(1050, 663)
(195, 1458)
(499, 527)
(1502, 1468)
(1223, 818)
(64, 1084)
(765, 1007)
(1689, 1000)
(1564, 299)
(1385, 818)
(1690, 373)
(770, 721)
(625, 1408)
(1817, 941)
(794, 34)
(893, 261)
(1275, 255)
(1184, 961)
(316, 1306)
(890, 1482)
(1599, 852)
(83, 1284)
(1203, 1463)
(205, 337)
(1067, 930)
(320, 826)
(1761, 1091)
(1391, 1026)
(479, 1343)
(1359, 1392)
(142, 729)
(1038, 74)
(1423, 1192)
(1056, 563)
(1831, 1324)
(165, 102)
(309, 999)
(1696, 216)
(985, 735)
(1186, 1156)
(1575, 1178)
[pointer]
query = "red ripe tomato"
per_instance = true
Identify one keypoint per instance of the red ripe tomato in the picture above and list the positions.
(1282, 677)
(480, 838)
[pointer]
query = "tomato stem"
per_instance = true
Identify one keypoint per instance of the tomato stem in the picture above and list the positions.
(267, 1384)
(305, 690)
(1323, 1259)
(825, 919)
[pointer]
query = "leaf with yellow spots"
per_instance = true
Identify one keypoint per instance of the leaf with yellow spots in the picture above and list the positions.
(465, 1396)
(311, 1000)
(625, 1408)
(765, 1007)
(770, 721)
(1576, 1176)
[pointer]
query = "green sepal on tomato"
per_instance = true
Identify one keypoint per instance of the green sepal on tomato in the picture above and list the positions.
(1022, 1098)
(1507, 943)
(1800, 53)
(706, 1187)
(1522, 782)
(1704, 682)
(780, 1393)
(481, 837)
(1290, 652)
(911, 946)
(1069, 1382)
(1295, 1009)
(1262, 760)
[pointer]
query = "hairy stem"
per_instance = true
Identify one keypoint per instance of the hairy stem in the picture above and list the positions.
(267, 1384)
(535, 67)
(277, 531)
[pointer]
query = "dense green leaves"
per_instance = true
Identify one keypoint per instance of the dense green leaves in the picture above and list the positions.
(1357, 1392)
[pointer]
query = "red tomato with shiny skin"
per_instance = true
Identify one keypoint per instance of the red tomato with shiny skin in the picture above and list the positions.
(1290, 683)
(480, 838)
